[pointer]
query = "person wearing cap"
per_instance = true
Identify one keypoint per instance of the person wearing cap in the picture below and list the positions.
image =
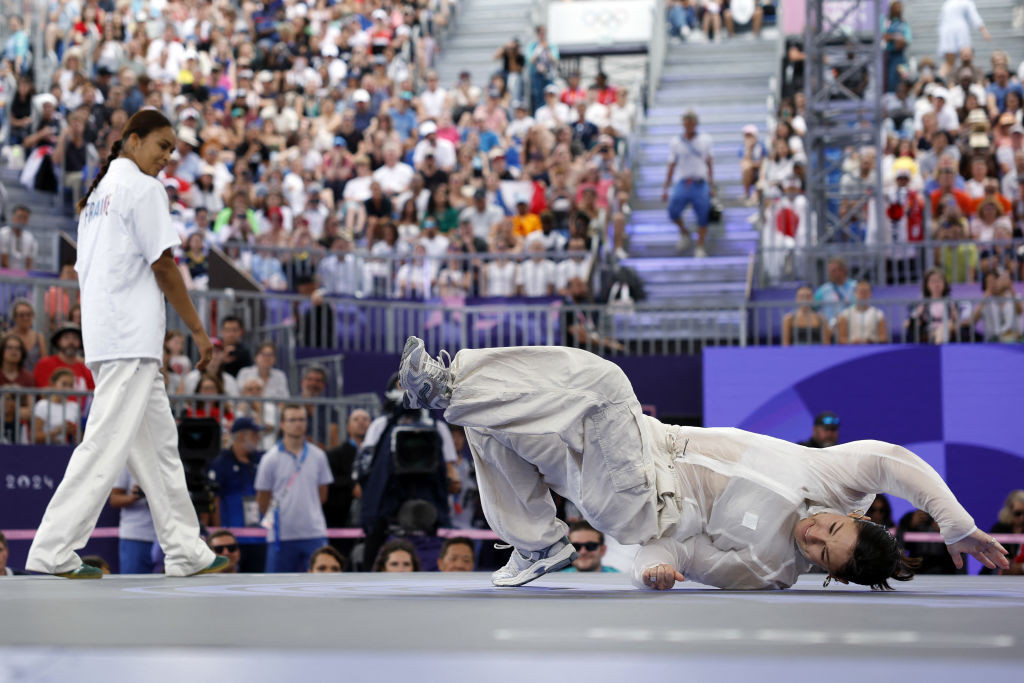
(47, 129)
(905, 224)
(553, 112)
(233, 472)
(825, 432)
(364, 113)
(442, 150)
(67, 342)
(945, 112)
(188, 160)
(690, 174)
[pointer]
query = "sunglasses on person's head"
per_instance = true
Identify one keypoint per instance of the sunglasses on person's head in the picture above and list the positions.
(830, 421)
(590, 546)
(229, 548)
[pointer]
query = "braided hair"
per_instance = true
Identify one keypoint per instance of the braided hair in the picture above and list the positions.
(144, 122)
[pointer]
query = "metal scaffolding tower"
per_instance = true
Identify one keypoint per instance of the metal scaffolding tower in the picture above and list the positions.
(844, 113)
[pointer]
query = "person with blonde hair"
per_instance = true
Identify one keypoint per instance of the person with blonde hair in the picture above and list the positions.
(1011, 521)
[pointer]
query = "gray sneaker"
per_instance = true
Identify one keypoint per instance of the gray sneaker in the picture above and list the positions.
(427, 382)
(523, 568)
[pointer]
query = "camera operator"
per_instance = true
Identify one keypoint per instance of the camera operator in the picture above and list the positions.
(406, 455)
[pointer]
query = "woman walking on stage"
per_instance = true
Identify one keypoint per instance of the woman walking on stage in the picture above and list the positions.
(125, 268)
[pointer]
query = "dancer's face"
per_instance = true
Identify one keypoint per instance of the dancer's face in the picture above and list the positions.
(153, 152)
(827, 539)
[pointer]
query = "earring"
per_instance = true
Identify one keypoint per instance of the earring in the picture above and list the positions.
(828, 580)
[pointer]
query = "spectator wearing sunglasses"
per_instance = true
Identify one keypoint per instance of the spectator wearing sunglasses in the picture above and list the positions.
(589, 543)
(1011, 521)
(223, 542)
(825, 432)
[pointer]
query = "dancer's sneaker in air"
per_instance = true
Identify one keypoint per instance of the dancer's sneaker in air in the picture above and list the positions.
(427, 382)
(522, 568)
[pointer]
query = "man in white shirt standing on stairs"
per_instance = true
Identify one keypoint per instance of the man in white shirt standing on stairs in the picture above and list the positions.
(690, 175)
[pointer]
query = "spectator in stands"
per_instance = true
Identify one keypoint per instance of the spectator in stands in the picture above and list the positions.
(135, 531)
(67, 340)
(880, 511)
(236, 354)
(862, 323)
(343, 490)
(321, 420)
(4, 554)
(960, 260)
(12, 362)
(935, 559)
(956, 19)
(47, 127)
(537, 276)
(482, 214)
(896, 35)
(825, 432)
(225, 543)
(581, 323)
(752, 154)
(992, 231)
(414, 279)
(691, 176)
(457, 555)
(394, 176)
(455, 279)
(590, 545)
(211, 384)
(431, 146)
(190, 383)
(553, 113)
(498, 276)
(542, 64)
(805, 326)
(56, 418)
(998, 89)
(935, 320)
(1011, 521)
(19, 248)
(291, 486)
(23, 315)
(838, 292)
(233, 473)
(397, 556)
(275, 382)
(1001, 310)
(193, 264)
(73, 154)
(20, 107)
(326, 560)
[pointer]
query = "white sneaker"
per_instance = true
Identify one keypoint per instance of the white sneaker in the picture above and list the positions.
(683, 244)
(700, 252)
(523, 568)
(427, 382)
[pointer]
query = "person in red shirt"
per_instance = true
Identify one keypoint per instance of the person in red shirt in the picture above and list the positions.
(67, 341)
(574, 93)
(606, 94)
(946, 176)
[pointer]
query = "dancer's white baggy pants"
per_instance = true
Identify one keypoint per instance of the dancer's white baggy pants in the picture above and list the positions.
(130, 422)
(541, 419)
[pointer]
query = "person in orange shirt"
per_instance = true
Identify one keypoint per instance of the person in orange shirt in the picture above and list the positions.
(524, 220)
(946, 176)
(992, 194)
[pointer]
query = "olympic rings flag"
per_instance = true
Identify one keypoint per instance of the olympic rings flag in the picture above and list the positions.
(598, 22)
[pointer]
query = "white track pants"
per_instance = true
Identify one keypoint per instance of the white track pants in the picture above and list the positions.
(130, 422)
(541, 419)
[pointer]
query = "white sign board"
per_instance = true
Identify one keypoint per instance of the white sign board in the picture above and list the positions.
(598, 22)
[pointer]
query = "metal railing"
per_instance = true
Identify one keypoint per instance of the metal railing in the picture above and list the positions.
(962, 261)
(327, 416)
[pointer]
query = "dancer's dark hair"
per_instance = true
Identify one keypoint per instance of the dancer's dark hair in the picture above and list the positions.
(877, 557)
(142, 124)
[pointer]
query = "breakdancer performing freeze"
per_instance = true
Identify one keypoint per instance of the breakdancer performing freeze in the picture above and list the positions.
(723, 507)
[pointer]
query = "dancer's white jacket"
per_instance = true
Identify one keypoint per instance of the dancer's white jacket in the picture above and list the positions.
(742, 494)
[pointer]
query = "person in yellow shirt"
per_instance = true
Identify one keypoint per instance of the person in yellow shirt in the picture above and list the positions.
(524, 220)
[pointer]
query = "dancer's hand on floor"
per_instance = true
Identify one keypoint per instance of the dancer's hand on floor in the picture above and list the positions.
(662, 577)
(983, 548)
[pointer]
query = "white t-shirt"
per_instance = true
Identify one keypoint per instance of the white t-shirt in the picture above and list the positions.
(136, 522)
(535, 277)
(501, 278)
(18, 248)
(690, 156)
(570, 268)
(55, 414)
(394, 180)
(433, 103)
(443, 151)
(123, 230)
